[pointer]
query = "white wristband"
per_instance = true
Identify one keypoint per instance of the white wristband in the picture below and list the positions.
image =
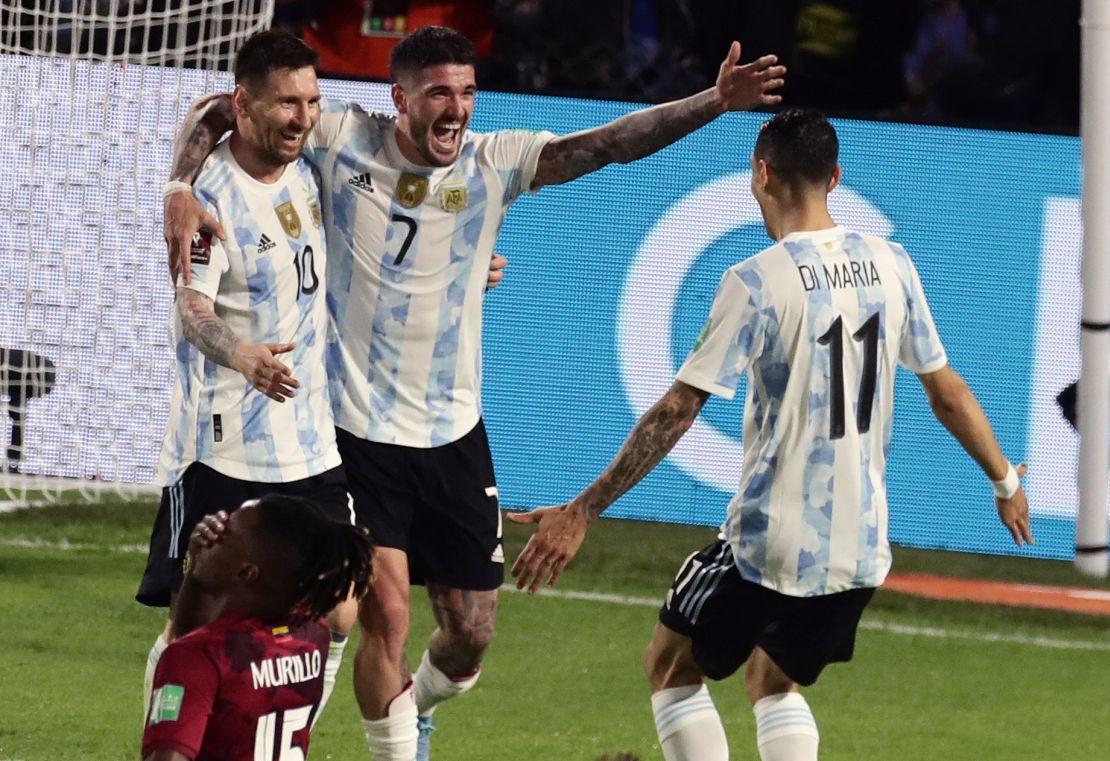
(1009, 484)
(175, 186)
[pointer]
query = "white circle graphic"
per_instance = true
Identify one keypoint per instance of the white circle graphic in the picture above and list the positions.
(689, 227)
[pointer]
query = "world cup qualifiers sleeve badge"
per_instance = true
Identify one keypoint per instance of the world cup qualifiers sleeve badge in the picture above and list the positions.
(411, 190)
(453, 197)
(290, 221)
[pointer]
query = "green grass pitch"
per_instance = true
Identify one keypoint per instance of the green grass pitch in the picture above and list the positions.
(930, 680)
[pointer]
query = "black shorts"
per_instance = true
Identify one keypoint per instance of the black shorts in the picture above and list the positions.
(437, 504)
(202, 491)
(726, 617)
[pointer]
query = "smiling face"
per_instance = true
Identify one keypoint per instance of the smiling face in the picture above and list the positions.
(434, 107)
(275, 117)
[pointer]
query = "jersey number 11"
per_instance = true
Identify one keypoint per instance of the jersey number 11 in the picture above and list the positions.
(834, 339)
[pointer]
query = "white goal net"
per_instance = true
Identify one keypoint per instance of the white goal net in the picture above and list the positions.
(91, 93)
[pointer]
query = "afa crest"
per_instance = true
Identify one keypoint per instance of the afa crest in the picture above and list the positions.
(314, 212)
(412, 189)
(453, 198)
(290, 220)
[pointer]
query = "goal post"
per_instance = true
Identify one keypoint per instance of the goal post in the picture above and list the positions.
(91, 93)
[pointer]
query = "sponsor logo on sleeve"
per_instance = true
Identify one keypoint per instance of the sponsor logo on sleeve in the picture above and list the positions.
(200, 251)
(165, 703)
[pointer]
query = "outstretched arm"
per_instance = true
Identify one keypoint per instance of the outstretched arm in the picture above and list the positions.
(208, 119)
(561, 529)
(644, 132)
(957, 409)
(256, 362)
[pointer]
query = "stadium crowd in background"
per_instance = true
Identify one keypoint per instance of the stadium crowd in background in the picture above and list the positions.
(987, 63)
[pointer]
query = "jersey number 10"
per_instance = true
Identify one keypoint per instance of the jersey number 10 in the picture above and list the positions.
(834, 339)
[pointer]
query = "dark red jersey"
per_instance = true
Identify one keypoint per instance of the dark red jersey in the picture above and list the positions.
(238, 690)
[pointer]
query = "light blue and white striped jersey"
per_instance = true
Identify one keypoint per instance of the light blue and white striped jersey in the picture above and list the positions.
(410, 252)
(265, 284)
(819, 321)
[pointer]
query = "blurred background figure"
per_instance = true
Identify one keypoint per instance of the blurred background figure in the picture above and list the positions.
(24, 375)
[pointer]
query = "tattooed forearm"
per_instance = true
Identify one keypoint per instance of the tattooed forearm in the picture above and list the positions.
(207, 120)
(654, 435)
(629, 138)
(203, 328)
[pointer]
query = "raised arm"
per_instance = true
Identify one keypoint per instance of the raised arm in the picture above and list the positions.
(205, 123)
(561, 529)
(644, 132)
(957, 409)
(256, 362)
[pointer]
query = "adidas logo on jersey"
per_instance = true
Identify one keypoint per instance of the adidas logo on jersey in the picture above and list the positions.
(265, 244)
(362, 182)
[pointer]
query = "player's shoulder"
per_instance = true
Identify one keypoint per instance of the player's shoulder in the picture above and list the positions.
(215, 173)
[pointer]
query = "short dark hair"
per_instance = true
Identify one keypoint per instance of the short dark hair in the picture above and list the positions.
(271, 51)
(429, 46)
(800, 146)
(325, 561)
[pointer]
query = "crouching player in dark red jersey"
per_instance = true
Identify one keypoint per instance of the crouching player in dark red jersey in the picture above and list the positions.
(246, 685)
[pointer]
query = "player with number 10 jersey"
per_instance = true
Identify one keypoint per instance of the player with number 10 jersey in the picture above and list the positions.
(265, 283)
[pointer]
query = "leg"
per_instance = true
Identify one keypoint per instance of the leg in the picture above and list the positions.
(785, 727)
(340, 621)
(452, 663)
(382, 681)
(686, 720)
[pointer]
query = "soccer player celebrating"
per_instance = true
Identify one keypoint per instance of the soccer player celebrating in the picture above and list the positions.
(241, 425)
(247, 685)
(818, 321)
(413, 203)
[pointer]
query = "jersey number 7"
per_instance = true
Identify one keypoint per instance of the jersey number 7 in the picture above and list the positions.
(834, 339)
(273, 735)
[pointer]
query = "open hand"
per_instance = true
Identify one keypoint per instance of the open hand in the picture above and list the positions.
(184, 218)
(749, 86)
(259, 365)
(559, 533)
(1014, 512)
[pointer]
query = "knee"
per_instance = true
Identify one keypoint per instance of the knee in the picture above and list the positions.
(763, 677)
(385, 618)
(667, 667)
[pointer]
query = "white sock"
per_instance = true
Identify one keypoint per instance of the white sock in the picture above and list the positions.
(331, 669)
(688, 724)
(394, 737)
(152, 659)
(785, 729)
(431, 686)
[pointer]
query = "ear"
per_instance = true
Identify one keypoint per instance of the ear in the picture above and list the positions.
(240, 99)
(764, 175)
(398, 94)
(834, 180)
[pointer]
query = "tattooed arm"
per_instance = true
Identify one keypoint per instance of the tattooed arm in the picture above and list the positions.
(560, 530)
(256, 362)
(208, 119)
(644, 132)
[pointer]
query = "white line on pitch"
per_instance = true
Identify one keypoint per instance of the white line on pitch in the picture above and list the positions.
(869, 624)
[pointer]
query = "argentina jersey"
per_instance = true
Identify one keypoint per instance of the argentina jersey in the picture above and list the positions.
(266, 284)
(819, 321)
(410, 252)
